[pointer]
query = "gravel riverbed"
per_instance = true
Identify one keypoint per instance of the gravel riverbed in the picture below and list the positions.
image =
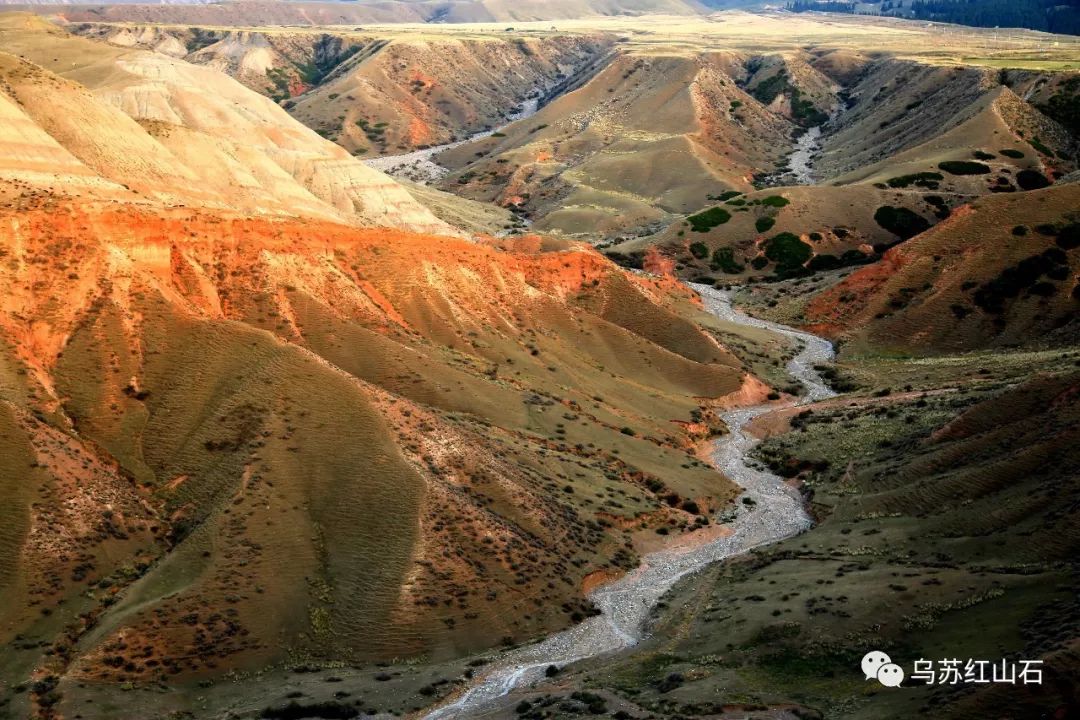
(777, 513)
(420, 166)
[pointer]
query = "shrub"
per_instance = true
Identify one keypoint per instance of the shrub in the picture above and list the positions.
(804, 111)
(1031, 180)
(671, 682)
(728, 195)
(964, 167)
(1038, 145)
(635, 260)
(787, 251)
(764, 224)
(1068, 237)
(295, 711)
(759, 262)
(901, 221)
(1014, 154)
(825, 262)
(776, 201)
(1013, 280)
(856, 257)
(706, 221)
(724, 259)
(927, 180)
(699, 250)
(980, 155)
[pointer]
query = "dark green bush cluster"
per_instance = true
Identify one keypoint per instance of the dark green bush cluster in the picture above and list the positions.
(707, 220)
(764, 224)
(804, 111)
(1068, 237)
(929, 180)
(1031, 180)
(1026, 275)
(776, 201)
(724, 259)
(901, 221)
(788, 252)
(941, 208)
(767, 90)
(1041, 147)
(964, 167)
(295, 711)
(634, 260)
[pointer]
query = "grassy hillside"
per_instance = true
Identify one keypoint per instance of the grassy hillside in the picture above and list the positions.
(396, 442)
(1001, 272)
(173, 132)
(907, 491)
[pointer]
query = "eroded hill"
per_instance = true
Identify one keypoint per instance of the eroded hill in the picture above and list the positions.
(378, 94)
(347, 443)
(132, 123)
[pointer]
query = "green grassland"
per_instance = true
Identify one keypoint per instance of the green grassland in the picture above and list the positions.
(946, 526)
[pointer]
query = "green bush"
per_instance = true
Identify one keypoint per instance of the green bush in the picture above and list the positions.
(1042, 148)
(294, 711)
(901, 221)
(764, 224)
(1068, 238)
(1031, 180)
(787, 251)
(1025, 275)
(927, 180)
(824, 262)
(964, 167)
(699, 250)
(776, 201)
(1014, 154)
(724, 259)
(706, 221)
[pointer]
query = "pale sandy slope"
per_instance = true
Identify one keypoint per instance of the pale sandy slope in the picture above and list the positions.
(176, 132)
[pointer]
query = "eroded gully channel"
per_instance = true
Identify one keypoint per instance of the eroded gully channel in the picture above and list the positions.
(776, 513)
